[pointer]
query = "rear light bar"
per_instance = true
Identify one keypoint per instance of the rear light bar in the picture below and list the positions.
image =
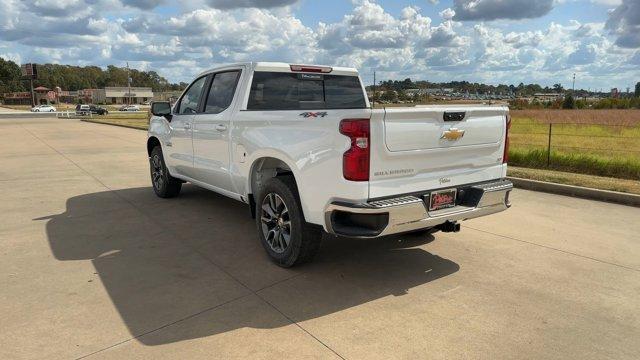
(313, 69)
(505, 155)
(355, 161)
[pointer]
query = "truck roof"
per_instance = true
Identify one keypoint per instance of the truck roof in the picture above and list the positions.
(282, 67)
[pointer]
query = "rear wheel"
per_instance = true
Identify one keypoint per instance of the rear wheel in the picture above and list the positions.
(284, 234)
(164, 185)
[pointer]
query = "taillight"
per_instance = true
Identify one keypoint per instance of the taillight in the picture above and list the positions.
(505, 156)
(309, 68)
(355, 161)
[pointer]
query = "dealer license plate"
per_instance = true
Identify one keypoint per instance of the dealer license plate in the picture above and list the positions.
(442, 199)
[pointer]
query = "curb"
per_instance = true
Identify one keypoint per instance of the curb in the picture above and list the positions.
(112, 124)
(32, 115)
(577, 191)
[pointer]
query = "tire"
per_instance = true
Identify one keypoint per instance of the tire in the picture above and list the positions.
(164, 185)
(273, 221)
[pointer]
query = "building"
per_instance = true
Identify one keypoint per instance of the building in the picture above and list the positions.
(121, 95)
(43, 95)
(615, 93)
(547, 96)
(171, 96)
(91, 96)
(67, 97)
(17, 98)
(412, 92)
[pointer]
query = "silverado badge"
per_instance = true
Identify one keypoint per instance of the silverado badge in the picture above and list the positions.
(452, 134)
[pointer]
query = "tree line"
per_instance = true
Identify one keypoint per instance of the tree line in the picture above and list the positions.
(467, 87)
(69, 77)
(521, 89)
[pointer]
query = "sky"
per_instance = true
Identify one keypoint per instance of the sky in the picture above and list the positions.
(490, 41)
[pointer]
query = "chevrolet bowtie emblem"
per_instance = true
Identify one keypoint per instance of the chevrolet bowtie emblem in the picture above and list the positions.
(452, 134)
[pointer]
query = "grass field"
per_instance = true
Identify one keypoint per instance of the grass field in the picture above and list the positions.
(590, 181)
(588, 117)
(136, 120)
(596, 142)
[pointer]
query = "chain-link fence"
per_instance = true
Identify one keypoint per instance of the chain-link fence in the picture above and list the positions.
(599, 149)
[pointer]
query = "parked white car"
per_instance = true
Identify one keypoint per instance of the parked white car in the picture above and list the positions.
(303, 147)
(129, 108)
(43, 108)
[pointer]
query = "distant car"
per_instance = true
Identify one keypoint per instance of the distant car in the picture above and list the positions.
(83, 109)
(98, 110)
(130, 108)
(43, 108)
(146, 103)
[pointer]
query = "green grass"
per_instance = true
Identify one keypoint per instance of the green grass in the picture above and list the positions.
(601, 150)
(136, 121)
(590, 181)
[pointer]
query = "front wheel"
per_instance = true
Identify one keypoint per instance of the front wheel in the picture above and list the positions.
(164, 185)
(282, 230)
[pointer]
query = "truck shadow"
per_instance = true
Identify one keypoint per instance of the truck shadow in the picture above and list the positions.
(161, 261)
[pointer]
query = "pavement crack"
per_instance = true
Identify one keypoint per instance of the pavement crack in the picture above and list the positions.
(555, 249)
(191, 316)
(299, 326)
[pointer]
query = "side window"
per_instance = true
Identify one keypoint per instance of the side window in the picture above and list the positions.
(189, 102)
(221, 93)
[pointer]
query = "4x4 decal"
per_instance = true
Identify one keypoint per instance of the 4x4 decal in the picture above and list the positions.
(314, 114)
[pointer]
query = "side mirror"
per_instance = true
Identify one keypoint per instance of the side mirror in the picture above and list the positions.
(161, 108)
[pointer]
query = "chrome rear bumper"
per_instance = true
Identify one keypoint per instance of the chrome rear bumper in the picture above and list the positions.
(408, 213)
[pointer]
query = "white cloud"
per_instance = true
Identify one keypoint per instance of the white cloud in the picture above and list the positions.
(410, 44)
(624, 22)
(607, 2)
(447, 14)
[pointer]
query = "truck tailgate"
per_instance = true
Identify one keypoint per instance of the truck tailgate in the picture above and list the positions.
(416, 149)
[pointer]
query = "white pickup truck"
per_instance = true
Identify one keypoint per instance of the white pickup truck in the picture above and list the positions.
(302, 146)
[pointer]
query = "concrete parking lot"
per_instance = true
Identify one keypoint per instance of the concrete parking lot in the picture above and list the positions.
(93, 265)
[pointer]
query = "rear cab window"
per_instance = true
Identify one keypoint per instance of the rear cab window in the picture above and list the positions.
(304, 91)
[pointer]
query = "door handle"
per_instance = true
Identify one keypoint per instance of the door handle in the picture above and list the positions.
(221, 127)
(187, 126)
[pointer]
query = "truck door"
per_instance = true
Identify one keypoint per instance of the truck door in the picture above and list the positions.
(211, 131)
(179, 150)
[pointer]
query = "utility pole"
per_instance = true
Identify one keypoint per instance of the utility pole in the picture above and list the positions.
(573, 87)
(128, 85)
(33, 98)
